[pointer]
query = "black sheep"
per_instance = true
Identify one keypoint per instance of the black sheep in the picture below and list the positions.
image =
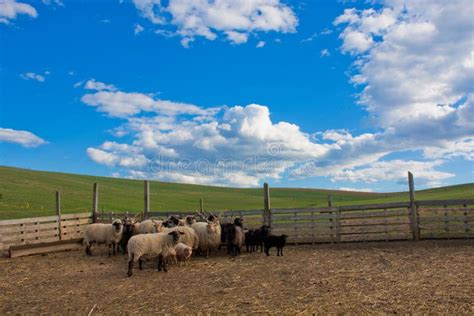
(235, 239)
(259, 237)
(250, 240)
(275, 241)
(126, 235)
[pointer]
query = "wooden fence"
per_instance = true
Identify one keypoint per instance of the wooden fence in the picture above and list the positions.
(372, 222)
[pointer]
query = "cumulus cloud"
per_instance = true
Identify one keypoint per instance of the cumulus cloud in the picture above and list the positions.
(235, 19)
(10, 9)
(23, 138)
(325, 53)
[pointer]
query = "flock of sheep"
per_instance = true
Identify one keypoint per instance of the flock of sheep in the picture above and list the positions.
(176, 239)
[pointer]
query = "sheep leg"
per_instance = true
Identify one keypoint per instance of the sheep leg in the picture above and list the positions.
(88, 249)
(130, 266)
(113, 247)
(140, 264)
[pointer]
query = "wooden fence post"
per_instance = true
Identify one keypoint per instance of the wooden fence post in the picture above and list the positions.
(329, 200)
(413, 208)
(146, 208)
(201, 205)
(58, 213)
(95, 202)
(267, 214)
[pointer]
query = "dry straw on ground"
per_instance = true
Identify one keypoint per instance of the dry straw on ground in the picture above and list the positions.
(394, 277)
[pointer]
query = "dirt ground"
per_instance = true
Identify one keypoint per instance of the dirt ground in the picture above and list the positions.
(376, 278)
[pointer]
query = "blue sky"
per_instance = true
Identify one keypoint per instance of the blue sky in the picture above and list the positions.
(325, 94)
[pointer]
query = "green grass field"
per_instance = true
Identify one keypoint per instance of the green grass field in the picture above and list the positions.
(28, 193)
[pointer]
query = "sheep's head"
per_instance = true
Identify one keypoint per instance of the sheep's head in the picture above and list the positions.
(238, 221)
(117, 224)
(190, 220)
(176, 234)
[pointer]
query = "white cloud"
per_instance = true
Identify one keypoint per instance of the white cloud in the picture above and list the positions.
(260, 44)
(10, 9)
(325, 53)
(23, 138)
(234, 18)
(138, 29)
(99, 86)
(32, 76)
(55, 2)
(123, 104)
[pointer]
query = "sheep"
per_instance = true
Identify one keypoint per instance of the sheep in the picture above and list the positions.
(151, 245)
(189, 237)
(250, 240)
(209, 234)
(129, 229)
(275, 241)
(110, 234)
(259, 236)
(183, 252)
(187, 221)
(235, 239)
(150, 226)
(172, 221)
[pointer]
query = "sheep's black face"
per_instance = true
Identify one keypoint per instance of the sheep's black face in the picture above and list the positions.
(117, 225)
(176, 235)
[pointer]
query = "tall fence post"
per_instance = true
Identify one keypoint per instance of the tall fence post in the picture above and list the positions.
(95, 202)
(201, 205)
(146, 208)
(266, 203)
(413, 209)
(58, 213)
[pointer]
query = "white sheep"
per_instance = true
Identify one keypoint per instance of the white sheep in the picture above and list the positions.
(150, 226)
(209, 235)
(150, 246)
(100, 233)
(183, 252)
(189, 237)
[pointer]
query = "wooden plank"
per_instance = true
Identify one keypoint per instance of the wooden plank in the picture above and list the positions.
(350, 208)
(445, 202)
(375, 221)
(79, 222)
(375, 229)
(451, 225)
(25, 250)
(370, 214)
(376, 237)
(316, 217)
(304, 210)
(29, 220)
(31, 236)
(303, 224)
(76, 215)
(444, 235)
(26, 228)
(244, 212)
(459, 218)
(449, 209)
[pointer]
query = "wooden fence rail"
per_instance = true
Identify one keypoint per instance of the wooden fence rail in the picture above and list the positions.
(372, 222)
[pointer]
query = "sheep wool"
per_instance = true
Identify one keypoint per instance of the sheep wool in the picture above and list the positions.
(100, 233)
(150, 246)
(209, 235)
(189, 237)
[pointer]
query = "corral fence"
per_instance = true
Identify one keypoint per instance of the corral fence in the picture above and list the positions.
(412, 220)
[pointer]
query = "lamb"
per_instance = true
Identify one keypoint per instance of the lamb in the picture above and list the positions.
(151, 245)
(250, 240)
(110, 234)
(259, 237)
(189, 237)
(275, 241)
(235, 239)
(183, 252)
(209, 235)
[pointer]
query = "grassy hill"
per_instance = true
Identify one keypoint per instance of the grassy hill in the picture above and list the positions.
(28, 193)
